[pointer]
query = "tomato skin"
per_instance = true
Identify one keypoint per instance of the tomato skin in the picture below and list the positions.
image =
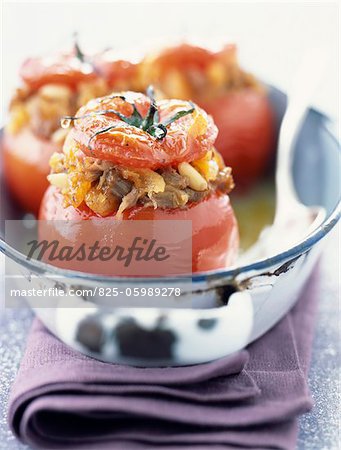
(246, 133)
(63, 69)
(67, 69)
(26, 166)
(186, 56)
(215, 240)
(128, 145)
(215, 232)
(118, 73)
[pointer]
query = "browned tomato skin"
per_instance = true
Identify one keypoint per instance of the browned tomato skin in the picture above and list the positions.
(68, 70)
(63, 69)
(133, 147)
(214, 227)
(26, 155)
(246, 133)
(26, 166)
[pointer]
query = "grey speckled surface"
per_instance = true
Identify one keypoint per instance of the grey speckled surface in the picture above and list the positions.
(319, 430)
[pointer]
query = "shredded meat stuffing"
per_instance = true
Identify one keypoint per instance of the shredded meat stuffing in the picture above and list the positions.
(106, 188)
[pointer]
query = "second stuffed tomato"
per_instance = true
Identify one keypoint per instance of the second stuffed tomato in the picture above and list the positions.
(51, 88)
(128, 157)
(236, 100)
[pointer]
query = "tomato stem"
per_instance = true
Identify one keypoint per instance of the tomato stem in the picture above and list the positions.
(78, 52)
(150, 123)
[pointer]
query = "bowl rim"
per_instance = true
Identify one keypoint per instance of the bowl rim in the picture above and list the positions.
(220, 274)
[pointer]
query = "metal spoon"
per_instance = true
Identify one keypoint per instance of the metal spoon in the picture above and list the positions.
(293, 221)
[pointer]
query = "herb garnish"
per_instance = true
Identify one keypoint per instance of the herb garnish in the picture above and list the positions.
(78, 52)
(86, 63)
(150, 123)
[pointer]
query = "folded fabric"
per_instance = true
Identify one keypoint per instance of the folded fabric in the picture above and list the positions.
(63, 399)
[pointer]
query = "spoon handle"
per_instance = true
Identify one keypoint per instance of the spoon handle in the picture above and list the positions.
(304, 84)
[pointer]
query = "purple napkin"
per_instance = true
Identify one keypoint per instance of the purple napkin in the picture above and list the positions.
(249, 400)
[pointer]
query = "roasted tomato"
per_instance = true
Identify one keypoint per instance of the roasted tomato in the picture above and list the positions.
(122, 129)
(246, 132)
(129, 157)
(52, 88)
(66, 68)
(26, 163)
(235, 99)
(190, 72)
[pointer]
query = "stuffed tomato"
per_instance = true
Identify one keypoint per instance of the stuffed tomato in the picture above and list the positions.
(235, 99)
(129, 157)
(52, 87)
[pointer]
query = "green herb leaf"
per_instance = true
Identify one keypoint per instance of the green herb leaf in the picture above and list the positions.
(179, 114)
(78, 52)
(103, 131)
(149, 120)
(152, 117)
(135, 119)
